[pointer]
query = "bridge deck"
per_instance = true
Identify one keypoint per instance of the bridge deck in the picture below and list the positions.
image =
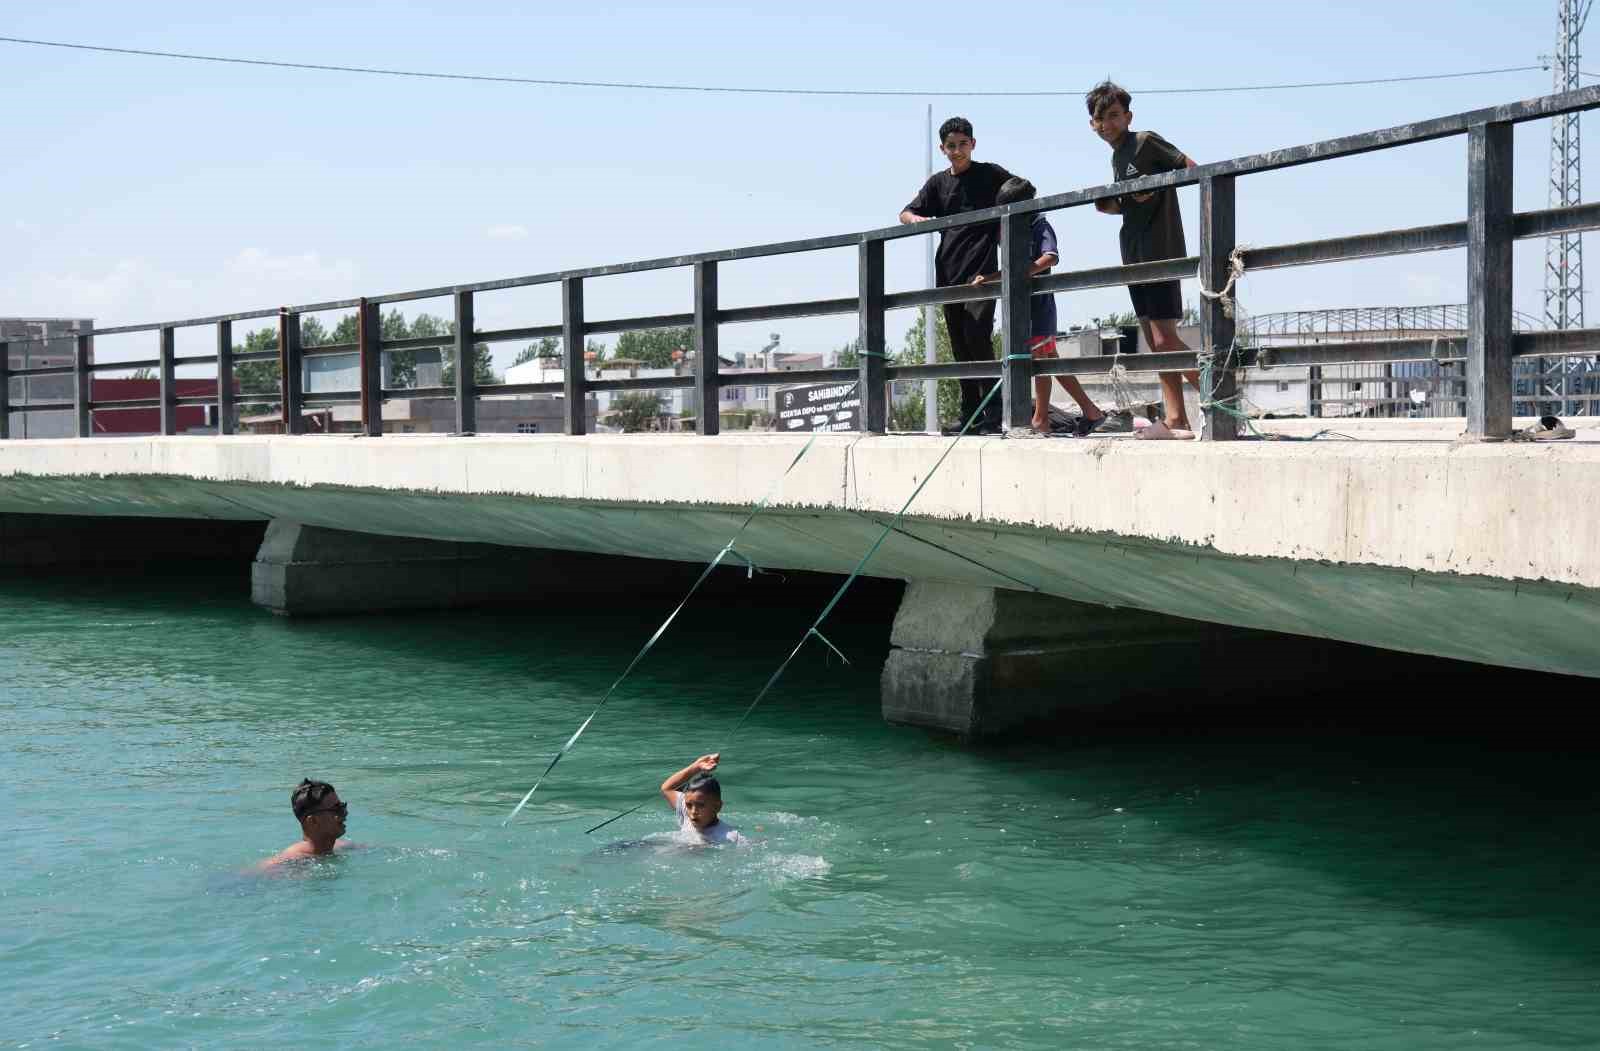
(1484, 551)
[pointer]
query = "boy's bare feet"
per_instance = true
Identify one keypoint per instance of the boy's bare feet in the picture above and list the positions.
(1159, 432)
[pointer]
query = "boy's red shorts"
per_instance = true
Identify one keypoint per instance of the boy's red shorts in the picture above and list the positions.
(1042, 346)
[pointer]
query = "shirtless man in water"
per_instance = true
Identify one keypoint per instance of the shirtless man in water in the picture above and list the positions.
(321, 815)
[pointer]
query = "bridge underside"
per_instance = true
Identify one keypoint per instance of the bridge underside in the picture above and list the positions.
(1529, 623)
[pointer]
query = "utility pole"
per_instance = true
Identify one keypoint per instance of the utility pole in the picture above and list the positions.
(930, 329)
(1558, 381)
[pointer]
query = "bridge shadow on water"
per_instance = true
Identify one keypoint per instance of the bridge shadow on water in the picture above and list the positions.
(1460, 793)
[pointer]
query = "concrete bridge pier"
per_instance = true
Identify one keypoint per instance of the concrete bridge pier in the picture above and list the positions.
(302, 569)
(983, 662)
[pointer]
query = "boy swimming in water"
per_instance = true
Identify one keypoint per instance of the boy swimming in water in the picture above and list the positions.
(699, 802)
(321, 815)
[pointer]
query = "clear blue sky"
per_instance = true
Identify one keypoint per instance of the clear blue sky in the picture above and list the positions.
(137, 189)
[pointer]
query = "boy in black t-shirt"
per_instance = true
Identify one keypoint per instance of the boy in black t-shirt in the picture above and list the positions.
(964, 253)
(1152, 229)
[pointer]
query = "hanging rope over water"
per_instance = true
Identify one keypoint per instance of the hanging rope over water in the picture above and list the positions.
(727, 549)
(814, 630)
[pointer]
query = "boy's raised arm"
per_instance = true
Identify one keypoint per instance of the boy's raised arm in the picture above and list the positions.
(704, 765)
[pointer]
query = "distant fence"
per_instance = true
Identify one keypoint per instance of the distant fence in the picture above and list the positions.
(1418, 389)
(1487, 349)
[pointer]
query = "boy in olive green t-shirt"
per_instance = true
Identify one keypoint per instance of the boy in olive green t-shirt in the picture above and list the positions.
(1152, 229)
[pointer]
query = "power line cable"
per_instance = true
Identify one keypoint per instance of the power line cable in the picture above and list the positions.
(717, 89)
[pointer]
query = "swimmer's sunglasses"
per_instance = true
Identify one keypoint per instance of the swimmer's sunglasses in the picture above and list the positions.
(342, 809)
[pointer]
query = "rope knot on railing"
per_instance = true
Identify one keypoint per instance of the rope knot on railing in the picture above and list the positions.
(1207, 356)
(1235, 272)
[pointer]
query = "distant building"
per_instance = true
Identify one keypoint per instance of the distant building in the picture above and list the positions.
(324, 373)
(527, 414)
(675, 404)
(59, 348)
(741, 405)
(186, 418)
(1279, 391)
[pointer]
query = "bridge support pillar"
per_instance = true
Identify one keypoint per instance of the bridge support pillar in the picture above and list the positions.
(303, 569)
(984, 662)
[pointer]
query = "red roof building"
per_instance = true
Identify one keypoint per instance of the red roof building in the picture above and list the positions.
(148, 420)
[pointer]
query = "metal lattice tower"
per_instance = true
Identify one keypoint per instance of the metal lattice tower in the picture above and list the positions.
(1558, 378)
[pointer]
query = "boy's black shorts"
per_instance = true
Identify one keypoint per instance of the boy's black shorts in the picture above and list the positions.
(1161, 301)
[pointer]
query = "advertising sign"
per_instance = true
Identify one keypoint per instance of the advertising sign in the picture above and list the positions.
(819, 407)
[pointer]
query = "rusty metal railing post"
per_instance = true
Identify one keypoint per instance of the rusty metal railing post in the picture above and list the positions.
(574, 386)
(83, 350)
(290, 380)
(466, 362)
(707, 366)
(1489, 313)
(227, 404)
(369, 336)
(1016, 320)
(1220, 384)
(870, 386)
(167, 382)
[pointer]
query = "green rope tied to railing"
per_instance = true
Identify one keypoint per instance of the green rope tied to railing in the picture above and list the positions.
(1207, 360)
(727, 549)
(814, 629)
(1210, 381)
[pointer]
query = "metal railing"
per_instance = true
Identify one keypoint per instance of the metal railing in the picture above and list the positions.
(1488, 347)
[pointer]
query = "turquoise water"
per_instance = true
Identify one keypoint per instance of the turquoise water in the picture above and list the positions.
(1339, 883)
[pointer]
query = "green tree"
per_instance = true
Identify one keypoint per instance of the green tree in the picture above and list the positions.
(313, 333)
(549, 348)
(636, 411)
(482, 363)
(849, 355)
(402, 363)
(257, 377)
(908, 415)
(428, 325)
(544, 347)
(653, 347)
(261, 377)
(949, 390)
(344, 331)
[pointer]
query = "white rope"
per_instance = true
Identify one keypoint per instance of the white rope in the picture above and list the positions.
(1123, 396)
(1239, 405)
(1235, 272)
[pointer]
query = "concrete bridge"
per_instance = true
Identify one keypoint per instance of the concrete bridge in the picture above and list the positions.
(1215, 555)
(1014, 551)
